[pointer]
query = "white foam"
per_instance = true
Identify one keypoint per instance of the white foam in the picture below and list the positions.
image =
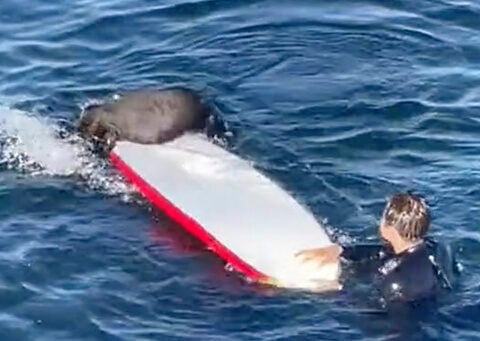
(32, 144)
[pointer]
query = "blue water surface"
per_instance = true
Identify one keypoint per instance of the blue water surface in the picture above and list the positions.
(342, 102)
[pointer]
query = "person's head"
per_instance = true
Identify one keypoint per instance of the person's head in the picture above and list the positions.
(406, 217)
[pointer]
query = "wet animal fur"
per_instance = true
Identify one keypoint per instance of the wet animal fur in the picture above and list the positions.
(145, 116)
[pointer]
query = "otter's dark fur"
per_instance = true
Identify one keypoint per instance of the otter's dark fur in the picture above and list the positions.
(145, 116)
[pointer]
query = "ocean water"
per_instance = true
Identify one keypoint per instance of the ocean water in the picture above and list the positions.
(342, 102)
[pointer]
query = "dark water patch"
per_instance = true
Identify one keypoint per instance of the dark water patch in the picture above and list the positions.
(463, 14)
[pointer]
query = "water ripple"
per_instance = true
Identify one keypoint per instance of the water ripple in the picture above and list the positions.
(342, 102)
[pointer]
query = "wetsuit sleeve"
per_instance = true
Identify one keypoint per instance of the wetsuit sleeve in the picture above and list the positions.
(443, 261)
(362, 252)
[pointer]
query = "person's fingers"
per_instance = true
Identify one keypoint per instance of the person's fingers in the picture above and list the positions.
(325, 255)
(303, 254)
(310, 255)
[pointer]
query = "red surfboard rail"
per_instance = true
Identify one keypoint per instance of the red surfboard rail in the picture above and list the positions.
(186, 222)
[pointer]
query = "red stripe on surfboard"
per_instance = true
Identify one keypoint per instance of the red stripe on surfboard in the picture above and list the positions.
(186, 222)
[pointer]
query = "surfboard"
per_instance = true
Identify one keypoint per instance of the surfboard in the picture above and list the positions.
(239, 213)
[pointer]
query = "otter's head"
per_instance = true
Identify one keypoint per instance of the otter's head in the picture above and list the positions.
(96, 126)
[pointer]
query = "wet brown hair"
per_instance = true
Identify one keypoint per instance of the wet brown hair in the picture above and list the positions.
(408, 214)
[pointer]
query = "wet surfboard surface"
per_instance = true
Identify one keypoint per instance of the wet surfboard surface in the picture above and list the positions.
(247, 219)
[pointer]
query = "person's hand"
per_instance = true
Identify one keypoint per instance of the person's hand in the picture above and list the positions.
(321, 256)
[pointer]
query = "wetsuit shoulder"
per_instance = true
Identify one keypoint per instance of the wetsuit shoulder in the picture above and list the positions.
(409, 276)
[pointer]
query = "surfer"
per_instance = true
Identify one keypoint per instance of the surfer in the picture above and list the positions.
(408, 266)
(147, 117)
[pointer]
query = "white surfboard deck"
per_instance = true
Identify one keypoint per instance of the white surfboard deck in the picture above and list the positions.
(256, 225)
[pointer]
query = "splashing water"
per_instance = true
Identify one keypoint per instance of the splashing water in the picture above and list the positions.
(33, 144)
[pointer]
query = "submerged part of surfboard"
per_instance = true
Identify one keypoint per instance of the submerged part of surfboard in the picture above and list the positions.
(236, 211)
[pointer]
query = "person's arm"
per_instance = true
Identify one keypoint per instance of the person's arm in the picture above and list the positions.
(333, 253)
(362, 252)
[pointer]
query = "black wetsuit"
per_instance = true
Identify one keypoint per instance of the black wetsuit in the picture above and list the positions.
(414, 274)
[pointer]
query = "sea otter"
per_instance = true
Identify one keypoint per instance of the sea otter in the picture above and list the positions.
(147, 117)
